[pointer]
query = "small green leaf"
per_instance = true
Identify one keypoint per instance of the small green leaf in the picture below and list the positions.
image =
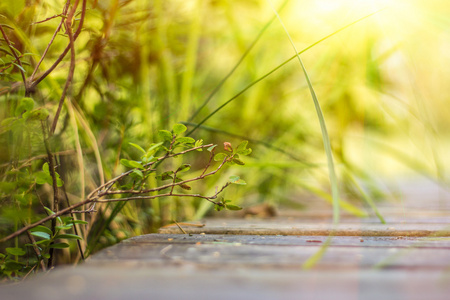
(154, 146)
(178, 128)
(46, 168)
(234, 178)
(79, 222)
(25, 104)
(137, 174)
(165, 135)
(39, 114)
(42, 177)
(68, 236)
(185, 187)
(13, 265)
(59, 245)
(211, 148)
(16, 251)
(41, 234)
(64, 227)
(42, 228)
(245, 152)
(185, 140)
(238, 161)
(242, 145)
(49, 211)
(232, 207)
(131, 163)
(198, 143)
(184, 168)
(220, 156)
(165, 175)
(138, 147)
(218, 207)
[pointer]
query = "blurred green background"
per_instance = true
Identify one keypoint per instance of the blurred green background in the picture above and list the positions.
(142, 66)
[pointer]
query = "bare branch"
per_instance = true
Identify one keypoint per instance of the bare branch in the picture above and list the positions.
(72, 66)
(8, 42)
(66, 50)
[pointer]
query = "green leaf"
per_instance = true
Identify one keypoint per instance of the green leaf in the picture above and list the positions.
(237, 180)
(59, 245)
(13, 265)
(41, 234)
(138, 147)
(64, 227)
(49, 211)
(232, 207)
(131, 163)
(154, 147)
(42, 177)
(39, 114)
(198, 143)
(218, 207)
(234, 178)
(185, 140)
(238, 161)
(165, 175)
(42, 228)
(137, 174)
(178, 128)
(242, 146)
(211, 148)
(165, 135)
(245, 151)
(46, 168)
(68, 236)
(16, 251)
(79, 222)
(184, 168)
(185, 187)
(220, 157)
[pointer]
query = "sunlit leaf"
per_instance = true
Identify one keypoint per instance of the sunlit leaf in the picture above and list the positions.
(178, 128)
(68, 236)
(233, 207)
(165, 135)
(220, 156)
(185, 140)
(131, 163)
(41, 234)
(184, 168)
(137, 147)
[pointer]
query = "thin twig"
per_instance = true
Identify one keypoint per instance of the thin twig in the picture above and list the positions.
(8, 42)
(98, 193)
(68, 24)
(66, 7)
(66, 50)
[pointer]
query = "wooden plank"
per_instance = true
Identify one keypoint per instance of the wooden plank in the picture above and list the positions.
(277, 226)
(251, 267)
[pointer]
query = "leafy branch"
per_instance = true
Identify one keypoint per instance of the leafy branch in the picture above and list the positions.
(134, 181)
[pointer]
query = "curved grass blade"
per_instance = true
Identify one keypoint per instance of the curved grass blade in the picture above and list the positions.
(275, 69)
(237, 64)
(323, 127)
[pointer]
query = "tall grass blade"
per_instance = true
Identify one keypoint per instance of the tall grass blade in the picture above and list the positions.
(323, 127)
(217, 88)
(275, 69)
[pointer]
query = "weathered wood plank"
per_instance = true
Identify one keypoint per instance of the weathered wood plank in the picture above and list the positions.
(251, 267)
(279, 226)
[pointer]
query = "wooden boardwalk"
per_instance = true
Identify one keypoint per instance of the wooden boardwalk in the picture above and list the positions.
(409, 258)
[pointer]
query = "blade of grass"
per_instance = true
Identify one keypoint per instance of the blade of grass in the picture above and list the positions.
(275, 69)
(323, 127)
(366, 197)
(217, 88)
